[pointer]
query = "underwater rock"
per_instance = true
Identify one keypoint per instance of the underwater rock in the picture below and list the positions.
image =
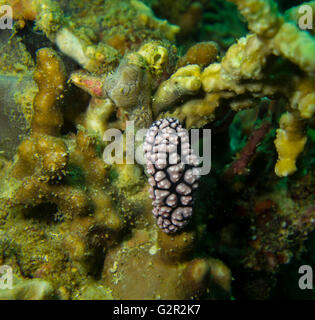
(12, 120)
(95, 291)
(137, 270)
(85, 227)
(17, 90)
(31, 289)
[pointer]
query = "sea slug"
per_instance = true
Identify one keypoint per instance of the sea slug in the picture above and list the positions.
(173, 173)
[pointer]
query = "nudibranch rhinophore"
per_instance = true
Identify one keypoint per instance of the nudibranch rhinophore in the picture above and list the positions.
(173, 173)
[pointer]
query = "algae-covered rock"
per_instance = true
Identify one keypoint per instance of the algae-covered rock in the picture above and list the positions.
(17, 90)
(12, 120)
(74, 225)
(95, 291)
(31, 289)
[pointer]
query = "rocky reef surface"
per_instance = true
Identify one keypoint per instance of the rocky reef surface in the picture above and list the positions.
(75, 226)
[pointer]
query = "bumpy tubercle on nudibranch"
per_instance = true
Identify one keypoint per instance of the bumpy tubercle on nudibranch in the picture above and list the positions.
(173, 173)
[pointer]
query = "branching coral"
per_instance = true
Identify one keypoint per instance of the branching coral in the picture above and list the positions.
(95, 216)
(129, 87)
(76, 34)
(241, 78)
(290, 143)
(185, 81)
(262, 16)
(100, 208)
(42, 158)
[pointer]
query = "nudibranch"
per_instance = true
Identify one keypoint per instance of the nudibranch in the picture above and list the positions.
(173, 173)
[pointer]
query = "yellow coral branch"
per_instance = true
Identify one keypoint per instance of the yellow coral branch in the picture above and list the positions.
(290, 142)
